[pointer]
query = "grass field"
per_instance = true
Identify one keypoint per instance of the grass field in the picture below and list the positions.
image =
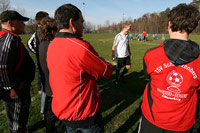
(120, 104)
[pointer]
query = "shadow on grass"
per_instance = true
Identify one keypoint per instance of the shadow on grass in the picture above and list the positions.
(36, 126)
(122, 96)
(129, 123)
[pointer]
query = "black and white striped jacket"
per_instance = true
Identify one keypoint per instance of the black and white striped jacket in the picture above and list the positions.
(33, 42)
(16, 65)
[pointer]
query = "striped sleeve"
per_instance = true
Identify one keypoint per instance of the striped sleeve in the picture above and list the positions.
(9, 54)
(32, 43)
(3, 62)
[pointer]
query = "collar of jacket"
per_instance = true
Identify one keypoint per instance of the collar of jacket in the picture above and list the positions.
(67, 35)
(181, 52)
(11, 33)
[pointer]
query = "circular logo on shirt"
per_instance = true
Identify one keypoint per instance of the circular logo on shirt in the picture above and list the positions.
(174, 78)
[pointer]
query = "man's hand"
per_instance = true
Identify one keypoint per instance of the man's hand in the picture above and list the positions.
(113, 58)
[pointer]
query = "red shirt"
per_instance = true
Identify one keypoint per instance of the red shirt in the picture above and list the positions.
(74, 67)
(170, 98)
(144, 33)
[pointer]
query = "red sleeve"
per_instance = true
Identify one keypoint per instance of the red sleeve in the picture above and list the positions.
(95, 65)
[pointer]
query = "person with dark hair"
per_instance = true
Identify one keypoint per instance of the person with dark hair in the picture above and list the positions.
(123, 53)
(47, 32)
(34, 41)
(74, 66)
(170, 97)
(32, 45)
(17, 71)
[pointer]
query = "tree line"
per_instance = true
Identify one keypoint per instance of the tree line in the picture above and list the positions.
(150, 22)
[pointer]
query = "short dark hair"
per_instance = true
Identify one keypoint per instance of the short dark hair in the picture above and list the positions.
(184, 17)
(40, 15)
(47, 24)
(64, 13)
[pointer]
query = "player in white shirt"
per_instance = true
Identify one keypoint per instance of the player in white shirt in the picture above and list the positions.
(123, 53)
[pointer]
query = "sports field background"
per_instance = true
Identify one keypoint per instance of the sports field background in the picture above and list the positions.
(120, 103)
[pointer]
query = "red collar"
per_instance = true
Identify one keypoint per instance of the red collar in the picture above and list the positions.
(10, 32)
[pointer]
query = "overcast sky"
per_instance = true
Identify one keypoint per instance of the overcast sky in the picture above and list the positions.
(98, 11)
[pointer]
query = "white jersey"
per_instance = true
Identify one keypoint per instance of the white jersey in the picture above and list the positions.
(121, 42)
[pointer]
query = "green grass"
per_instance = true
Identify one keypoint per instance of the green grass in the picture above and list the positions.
(120, 104)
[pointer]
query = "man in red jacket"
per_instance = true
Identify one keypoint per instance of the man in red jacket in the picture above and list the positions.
(74, 66)
(169, 100)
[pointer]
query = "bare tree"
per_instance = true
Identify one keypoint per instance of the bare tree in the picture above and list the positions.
(150, 22)
(89, 27)
(107, 23)
(4, 5)
(21, 10)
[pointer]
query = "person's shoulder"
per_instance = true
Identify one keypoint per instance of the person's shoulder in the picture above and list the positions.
(2, 33)
(13, 37)
(80, 42)
(154, 50)
(117, 35)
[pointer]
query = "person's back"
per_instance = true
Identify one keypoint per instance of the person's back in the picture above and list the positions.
(75, 73)
(169, 100)
(172, 86)
(74, 66)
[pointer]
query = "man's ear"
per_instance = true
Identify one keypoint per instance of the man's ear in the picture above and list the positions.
(169, 24)
(71, 22)
(9, 23)
(71, 25)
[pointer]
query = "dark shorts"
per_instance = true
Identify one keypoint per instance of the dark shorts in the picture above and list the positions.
(146, 127)
(123, 61)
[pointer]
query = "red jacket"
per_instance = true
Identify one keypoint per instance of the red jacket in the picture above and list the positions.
(144, 33)
(170, 98)
(74, 67)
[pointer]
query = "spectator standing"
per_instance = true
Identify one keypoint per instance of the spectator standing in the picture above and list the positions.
(170, 97)
(17, 71)
(47, 32)
(74, 66)
(33, 44)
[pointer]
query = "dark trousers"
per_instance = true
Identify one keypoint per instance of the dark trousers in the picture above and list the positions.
(96, 127)
(51, 119)
(196, 128)
(146, 127)
(17, 111)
